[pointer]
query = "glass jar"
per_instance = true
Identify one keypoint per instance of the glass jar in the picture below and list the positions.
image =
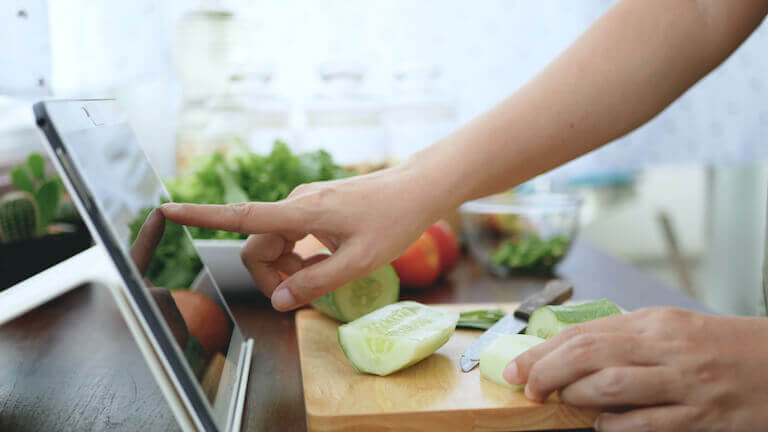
(202, 55)
(343, 120)
(190, 128)
(418, 113)
(249, 115)
(203, 49)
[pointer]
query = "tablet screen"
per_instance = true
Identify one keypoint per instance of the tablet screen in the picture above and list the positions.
(125, 193)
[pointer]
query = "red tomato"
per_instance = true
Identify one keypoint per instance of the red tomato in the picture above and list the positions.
(419, 266)
(447, 245)
(308, 246)
(205, 319)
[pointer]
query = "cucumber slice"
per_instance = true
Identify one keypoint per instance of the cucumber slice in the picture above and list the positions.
(548, 321)
(359, 297)
(495, 358)
(395, 336)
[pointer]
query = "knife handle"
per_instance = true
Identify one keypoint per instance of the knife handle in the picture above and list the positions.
(556, 292)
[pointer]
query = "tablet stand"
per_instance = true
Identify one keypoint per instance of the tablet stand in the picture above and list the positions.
(94, 265)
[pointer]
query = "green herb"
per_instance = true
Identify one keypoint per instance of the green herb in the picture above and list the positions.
(530, 254)
(481, 319)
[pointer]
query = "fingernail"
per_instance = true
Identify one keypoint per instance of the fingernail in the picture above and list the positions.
(283, 299)
(510, 373)
(170, 207)
(598, 422)
(529, 394)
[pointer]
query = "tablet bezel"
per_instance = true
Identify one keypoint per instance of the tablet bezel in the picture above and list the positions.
(146, 311)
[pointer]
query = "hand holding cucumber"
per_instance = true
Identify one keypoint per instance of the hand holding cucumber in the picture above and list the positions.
(681, 370)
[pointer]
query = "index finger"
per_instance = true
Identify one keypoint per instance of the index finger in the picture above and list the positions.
(247, 218)
(150, 233)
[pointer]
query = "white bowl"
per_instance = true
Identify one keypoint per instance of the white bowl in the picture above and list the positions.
(222, 257)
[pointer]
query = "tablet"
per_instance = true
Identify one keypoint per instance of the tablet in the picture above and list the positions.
(169, 289)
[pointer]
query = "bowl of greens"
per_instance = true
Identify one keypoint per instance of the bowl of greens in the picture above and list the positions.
(238, 177)
(513, 234)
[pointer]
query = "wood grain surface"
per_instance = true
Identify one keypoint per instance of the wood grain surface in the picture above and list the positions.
(71, 364)
(433, 394)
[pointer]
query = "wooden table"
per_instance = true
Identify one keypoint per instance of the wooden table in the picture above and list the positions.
(71, 365)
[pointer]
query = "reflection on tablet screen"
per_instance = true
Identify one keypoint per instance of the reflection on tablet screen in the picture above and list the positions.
(128, 192)
(191, 308)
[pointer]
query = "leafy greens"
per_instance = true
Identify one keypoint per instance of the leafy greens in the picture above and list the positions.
(219, 179)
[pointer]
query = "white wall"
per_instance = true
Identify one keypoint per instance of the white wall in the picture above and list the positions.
(486, 50)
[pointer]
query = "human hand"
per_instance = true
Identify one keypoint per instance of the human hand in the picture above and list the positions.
(366, 222)
(674, 369)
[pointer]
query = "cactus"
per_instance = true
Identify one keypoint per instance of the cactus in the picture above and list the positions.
(18, 216)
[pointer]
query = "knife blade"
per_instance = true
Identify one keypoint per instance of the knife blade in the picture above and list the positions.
(555, 292)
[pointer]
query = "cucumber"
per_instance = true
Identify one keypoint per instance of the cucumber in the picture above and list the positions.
(395, 336)
(359, 297)
(495, 358)
(548, 321)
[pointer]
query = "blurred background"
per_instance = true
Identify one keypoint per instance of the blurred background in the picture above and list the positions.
(683, 197)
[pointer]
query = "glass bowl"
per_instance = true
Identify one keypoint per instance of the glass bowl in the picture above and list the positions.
(512, 234)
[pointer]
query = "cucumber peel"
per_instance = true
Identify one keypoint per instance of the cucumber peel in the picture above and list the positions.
(396, 336)
(361, 296)
(548, 321)
(495, 358)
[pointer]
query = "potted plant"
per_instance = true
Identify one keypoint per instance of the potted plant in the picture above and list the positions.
(39, 227)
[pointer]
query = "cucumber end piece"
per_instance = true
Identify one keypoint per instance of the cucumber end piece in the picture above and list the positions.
(548, 321)
(503, 350)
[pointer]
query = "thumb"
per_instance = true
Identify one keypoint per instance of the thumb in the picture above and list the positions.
(322, 275)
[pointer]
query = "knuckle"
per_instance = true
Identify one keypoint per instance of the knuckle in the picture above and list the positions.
(661, 320)
(241, 211)
(312, 194)
(612, 383)
(247, 250)
(670, 314)
(312, 204)
(301, 189)
(583, 342)
(244, 256)
(580, 354)
(366, 258)
(706, 368)
(572, 331)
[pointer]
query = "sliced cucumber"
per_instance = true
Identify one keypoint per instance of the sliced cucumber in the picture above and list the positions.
(395, 336)
(495, 358)
(548, 321)
(359, 297)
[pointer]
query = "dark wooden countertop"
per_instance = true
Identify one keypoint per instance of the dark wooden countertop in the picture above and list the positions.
(71, 364)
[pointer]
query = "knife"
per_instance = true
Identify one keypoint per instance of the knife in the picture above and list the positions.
(555, 292)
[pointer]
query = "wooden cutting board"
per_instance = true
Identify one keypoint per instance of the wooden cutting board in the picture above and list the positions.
(431, 395)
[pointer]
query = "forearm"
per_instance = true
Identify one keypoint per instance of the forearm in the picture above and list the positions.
(626, 68)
